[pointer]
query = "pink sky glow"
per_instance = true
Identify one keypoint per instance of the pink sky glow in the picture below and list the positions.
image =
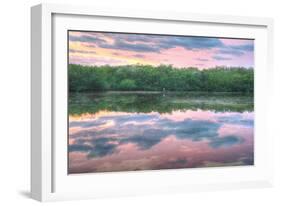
(100, 48)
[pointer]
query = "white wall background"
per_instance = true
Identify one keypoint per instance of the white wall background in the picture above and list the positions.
(15, 95)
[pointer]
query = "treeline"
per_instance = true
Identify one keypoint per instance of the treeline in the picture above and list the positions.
(163, 77)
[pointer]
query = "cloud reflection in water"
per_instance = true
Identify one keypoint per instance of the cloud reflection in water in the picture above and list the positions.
(119, 141)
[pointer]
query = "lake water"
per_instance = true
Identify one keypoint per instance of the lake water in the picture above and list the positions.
(113, 131)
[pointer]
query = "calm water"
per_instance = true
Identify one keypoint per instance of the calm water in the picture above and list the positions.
(115, 131)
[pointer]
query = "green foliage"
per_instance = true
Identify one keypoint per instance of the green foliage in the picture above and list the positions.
(127, 85)
(163, 77)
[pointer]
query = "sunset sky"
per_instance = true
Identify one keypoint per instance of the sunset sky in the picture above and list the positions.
(100, 48)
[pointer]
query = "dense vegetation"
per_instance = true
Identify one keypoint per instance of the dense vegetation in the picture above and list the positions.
(163, 77)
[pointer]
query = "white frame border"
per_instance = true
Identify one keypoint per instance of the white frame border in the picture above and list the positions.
(42, 87)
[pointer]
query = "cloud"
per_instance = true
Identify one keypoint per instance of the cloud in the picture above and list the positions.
(81, 51)
(144, 136)
(230, 51)
(122, 45)
(86, 38)
(181, 51)
(191, 43)
(93, 60)
(99, 143)
(187, 42)
(135, 37)
(236, 119)
(226, 141)
(244, 47)
(195, 130)
(236, 50)
(201, 59)
(115, 53)
(86, 124)
(139, 56)
(95, 147)
(147, 43)
(146, 140)
(102, 147)
(79, 148)
(221, 58)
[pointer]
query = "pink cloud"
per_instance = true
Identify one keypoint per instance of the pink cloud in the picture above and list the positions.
(121, 49)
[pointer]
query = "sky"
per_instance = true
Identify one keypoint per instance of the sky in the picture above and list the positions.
(101, 48)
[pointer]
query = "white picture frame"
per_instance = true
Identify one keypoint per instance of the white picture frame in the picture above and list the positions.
(49, 178)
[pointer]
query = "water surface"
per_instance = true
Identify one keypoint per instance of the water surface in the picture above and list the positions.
(113, 131)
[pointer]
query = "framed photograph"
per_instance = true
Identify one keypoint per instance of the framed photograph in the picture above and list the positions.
(136, 102)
